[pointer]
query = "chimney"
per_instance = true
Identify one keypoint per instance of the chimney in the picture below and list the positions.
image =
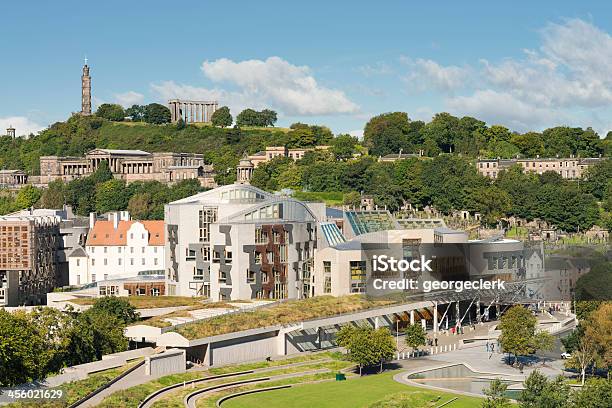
(92, 219)
(115, 217)
(125, 215)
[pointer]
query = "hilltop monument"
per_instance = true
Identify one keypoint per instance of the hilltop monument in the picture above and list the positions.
(85, 91)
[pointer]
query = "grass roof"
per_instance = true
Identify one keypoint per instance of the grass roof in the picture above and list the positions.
(292, 311)
(150, 302)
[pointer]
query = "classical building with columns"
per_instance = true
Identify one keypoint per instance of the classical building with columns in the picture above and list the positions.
(192, 111)
(128, 165)
(13, 178)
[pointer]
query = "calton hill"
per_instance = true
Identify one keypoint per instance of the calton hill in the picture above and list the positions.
(442, 175)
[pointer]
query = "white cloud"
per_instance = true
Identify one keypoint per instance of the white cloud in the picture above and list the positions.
(566, 80)
(502, 108)
(426, 73)
(279, 84)
(273, 83)
(129, 98)
(23, 126)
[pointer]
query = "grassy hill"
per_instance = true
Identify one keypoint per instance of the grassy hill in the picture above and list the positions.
(78, 134)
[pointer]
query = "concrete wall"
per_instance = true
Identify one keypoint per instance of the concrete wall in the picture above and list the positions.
(243, 349)
(170, 362)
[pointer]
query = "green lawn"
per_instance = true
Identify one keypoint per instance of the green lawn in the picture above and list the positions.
(369, 391)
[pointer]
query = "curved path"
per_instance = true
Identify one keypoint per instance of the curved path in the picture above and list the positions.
(190, 400)
(257, 390)
(161, 393)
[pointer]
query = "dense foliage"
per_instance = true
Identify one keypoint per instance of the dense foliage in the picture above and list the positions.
(222, 117)
(251, 117)
(36, 344)
(392, 132)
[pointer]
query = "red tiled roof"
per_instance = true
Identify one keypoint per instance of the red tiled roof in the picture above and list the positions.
(103, 233)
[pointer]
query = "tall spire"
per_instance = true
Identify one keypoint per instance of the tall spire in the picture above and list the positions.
(85, 90)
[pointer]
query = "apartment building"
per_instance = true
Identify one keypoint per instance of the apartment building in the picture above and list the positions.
(568, 168)
(28, 262)
(239, 242)
(118, 247)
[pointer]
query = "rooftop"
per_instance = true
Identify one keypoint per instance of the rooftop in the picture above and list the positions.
(104, 233)
(287, 312)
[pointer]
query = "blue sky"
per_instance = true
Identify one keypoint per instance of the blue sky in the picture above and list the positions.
(527, 65)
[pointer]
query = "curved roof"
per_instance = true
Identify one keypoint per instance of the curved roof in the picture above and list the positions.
(289, 209)
(223, 194)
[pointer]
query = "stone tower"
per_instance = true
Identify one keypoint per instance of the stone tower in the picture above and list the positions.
(85, 90)
(10, 131)
(244, 171)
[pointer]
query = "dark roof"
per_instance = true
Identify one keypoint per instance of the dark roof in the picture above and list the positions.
(77, 252)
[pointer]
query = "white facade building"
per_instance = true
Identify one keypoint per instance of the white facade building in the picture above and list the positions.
(117, 248)
(240, 242)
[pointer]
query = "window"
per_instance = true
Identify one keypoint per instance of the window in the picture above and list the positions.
(228, 256)
(282, 249)
(131, 236)
(258, 258)
(261, 237)
(327, 276)
(190, 254)
(131, 250)
(251, 276)
(358, 287)
(118, 249)
(105, 250)
(143, 261)
(358, 270)
(78, 279)
(119, 261)
(93, 249)
(207, 216)
(155, 292)
(198, 274)
(93, 262)
(105, 276)
(155, 261)
(154, 250)
(206, 253)
(105, 261)
(142, 250)
(93, 277)
(131, 261)
(270, 257)
(78, 262)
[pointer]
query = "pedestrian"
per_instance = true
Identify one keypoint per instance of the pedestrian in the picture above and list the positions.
(492, 347)
(487, 346)
(436, 341)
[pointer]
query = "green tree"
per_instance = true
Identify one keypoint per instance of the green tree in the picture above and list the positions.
(268, 117)
(248, 117)
(366, 346)
(415, 336)
(387, 133)
(343, 146)
(117, 307)
(444, 130)
(52, 326)
(21, 359)
(111, 196)
(222, 117)
(301, 137)
(54, 195)
(111, 112)
(596, 393)
(27, 196)
(530, 144)
(136, 112)
(496, 397)
(157, 114)
(518, 333)
(140, 206)
(539, 392)
(352, 198)
(492, 203)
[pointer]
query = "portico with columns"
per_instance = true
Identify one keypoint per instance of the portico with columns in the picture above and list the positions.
(192, 111)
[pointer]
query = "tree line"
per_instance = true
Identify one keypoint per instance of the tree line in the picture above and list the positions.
(35, 344)
(391, 132)
(448, 183)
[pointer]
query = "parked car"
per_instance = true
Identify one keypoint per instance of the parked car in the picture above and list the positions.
(565, 355)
